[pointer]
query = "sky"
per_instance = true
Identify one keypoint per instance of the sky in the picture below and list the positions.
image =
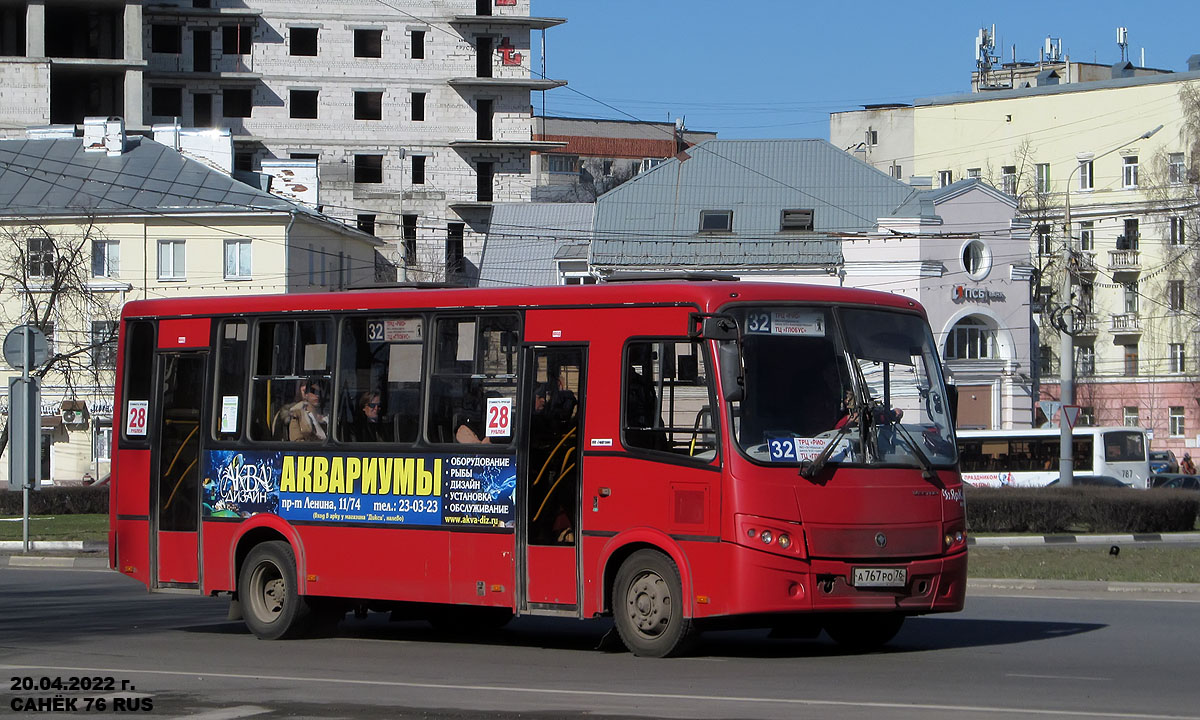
(777, 68)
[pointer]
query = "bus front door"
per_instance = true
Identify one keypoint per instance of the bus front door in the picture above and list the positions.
(549, 479)
(175, 469)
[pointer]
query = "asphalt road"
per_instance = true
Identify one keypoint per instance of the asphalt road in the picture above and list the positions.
(1056, 655)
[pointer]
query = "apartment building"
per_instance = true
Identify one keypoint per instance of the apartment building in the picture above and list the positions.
(417, 112)
(1102, 166)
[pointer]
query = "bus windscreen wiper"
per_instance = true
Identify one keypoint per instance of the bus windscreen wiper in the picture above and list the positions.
(926, 466)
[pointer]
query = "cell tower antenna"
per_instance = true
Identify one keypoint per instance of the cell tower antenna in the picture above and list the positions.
(1122, 41)
(985, 54)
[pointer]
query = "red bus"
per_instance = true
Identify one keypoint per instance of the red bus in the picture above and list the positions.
(675, 455)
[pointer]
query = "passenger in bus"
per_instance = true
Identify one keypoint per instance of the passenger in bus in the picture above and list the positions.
(367, 427)
(849, 415)
(305, 419)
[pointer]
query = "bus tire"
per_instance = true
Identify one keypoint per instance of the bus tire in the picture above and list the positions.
(267, 591)
(864, 631)
(647, 605)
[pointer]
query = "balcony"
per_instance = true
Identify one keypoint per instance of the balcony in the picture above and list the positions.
(1086, 325)
(1124, 262)
(1126, 324)
(1083, 263)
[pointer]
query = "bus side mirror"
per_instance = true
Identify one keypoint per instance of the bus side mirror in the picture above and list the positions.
(733, 381)
(952, 394)
(712, 327)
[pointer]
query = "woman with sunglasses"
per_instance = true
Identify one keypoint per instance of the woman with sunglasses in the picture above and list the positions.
(367, 427)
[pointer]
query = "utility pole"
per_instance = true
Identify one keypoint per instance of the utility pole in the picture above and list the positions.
(1066, 364)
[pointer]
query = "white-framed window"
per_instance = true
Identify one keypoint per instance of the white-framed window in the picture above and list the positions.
(1177, 361)
(1129, 171)
(1008, 179)
(1085, 359)
(106, 258)
(171, 260)
(976, 259)
(1043, 177)
(104, 344)
(1087, 236)
(648, 163)
(1175, 296)
(716, 221)
(40, 257)
(872, 136)
(1176, 225)
(574, 272)
(945, 177)
(1131, 360)
(897, 172)
(1044, 240)
(102, 445)
(1086, 179)
(563, 163)
(1175, 169)
(1087, 416)
(975, 173)
(1129, 416)
(237, 260)
(1086, 294)
(971, 339)
(1129, 240)
(1175, 418)
(1131, 296)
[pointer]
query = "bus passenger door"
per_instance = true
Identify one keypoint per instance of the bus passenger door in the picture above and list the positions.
(549, 479)
(175, 469)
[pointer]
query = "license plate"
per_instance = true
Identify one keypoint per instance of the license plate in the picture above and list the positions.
(880, 577)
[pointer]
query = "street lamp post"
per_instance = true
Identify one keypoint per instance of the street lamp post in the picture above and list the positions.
(1066, 365)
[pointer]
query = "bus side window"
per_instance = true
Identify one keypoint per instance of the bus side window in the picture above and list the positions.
(668, 399)
(379, 379)
(233, 365)
(139, 380)
(475, 361)
(290, 355)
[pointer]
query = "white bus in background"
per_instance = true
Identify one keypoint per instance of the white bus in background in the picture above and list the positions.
(1029, 458)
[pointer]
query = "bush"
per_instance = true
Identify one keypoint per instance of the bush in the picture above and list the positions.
(57, 501)
(1080, 509)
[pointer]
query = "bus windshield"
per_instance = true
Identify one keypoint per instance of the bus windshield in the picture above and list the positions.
(867, 381)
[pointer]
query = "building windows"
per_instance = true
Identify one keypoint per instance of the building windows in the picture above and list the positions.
(104, 344)
(872, 137)
(1085, 359)
(368, 105)
(1129, 240)
(648, 163)
(1131, 296)
(1176, 224)
(418, 44)
(302, 104)
(974, 173)
(454, 250)
(1175, 296)
(303, 42)
(1086, 294)
(1175, 420)
(484, 115)
(562, 163)
(1087, 416)
(1175, 169)
(239, 102)
(409, 235)
(1008, 179)
(237, 260)
(971, 339)
(1131, 360)
(102, 448)
(1085, 175)
(235, 39)
(716, 221)
(166, 101)
(897, 172)
(1129, 172)
(485, 175)
(945, 177)
(40, 258)
(106, 258)
(418, 169)
(366, 223)
(418, 106)
(368, 43)
(166, 39)
(976, 259)
(1043, 177)
(368, 168)
(243, 161)
(796, 221)
(1045, 360)
(171, 260)
(1129, 416)
(1087, 236)
(1177, 362)
(1044, 240)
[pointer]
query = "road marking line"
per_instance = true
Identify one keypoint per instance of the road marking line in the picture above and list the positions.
(500, 689)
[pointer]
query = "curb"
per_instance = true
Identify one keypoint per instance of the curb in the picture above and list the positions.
(1164, 591)
(53, 562)
(1187, 538)
(88, 546)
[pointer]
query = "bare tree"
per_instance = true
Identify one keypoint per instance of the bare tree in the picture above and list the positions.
(46, 280)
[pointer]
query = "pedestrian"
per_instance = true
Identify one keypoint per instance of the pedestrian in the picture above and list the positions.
(1187, 467)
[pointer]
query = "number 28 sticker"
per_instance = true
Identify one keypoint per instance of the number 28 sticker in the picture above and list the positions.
(135, 417)
(499, 417)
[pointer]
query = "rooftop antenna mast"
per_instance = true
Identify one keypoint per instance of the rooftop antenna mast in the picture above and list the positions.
(1122, 41)
(985, 54)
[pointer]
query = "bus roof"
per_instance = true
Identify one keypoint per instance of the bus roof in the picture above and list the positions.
(1043, 432)
(708, 296)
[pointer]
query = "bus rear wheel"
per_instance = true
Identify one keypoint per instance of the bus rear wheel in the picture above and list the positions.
(267, 590)
(647, 605)
(864, 631)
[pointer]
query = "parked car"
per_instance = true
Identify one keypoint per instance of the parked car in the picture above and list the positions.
(1163, 461)
(1176, 481)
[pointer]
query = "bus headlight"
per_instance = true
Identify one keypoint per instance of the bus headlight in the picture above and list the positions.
(765, 536)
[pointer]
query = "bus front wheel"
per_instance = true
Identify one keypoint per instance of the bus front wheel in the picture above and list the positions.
(647, 604)
(864, 631)
(267, 591)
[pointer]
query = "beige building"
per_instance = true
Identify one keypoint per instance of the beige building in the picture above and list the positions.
(1121, 152)
(87, 224)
